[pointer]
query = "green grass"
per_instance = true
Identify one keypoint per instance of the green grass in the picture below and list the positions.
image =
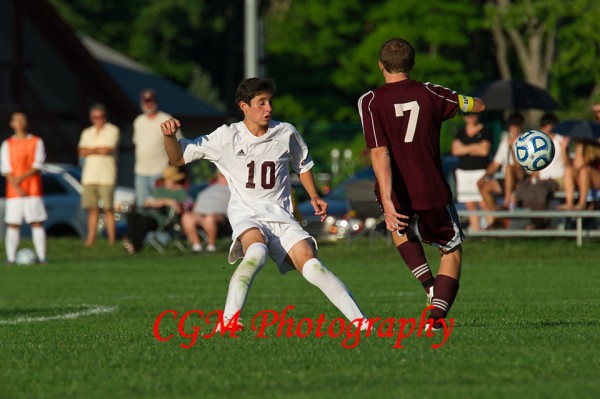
(526, 326)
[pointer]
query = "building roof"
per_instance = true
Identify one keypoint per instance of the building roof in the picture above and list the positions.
(133, 77)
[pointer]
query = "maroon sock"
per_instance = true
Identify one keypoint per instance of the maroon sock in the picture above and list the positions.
(414, 257)
(444, 293)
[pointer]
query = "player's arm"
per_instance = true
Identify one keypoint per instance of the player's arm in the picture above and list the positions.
(319, 204)
(480, 149)
(470, 104)
(380, 159)
(169, 130)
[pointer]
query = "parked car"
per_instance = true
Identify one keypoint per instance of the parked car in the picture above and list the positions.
(340, 222)
(62, 198)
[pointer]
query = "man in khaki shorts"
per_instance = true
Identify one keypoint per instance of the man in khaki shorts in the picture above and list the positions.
(97, 145)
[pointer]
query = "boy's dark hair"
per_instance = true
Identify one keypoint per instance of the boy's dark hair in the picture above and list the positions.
(397, 55)
(516, 119)
(251, 87)
(549, 119)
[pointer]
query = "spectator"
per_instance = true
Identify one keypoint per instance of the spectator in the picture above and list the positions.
(584, 173)
(98, 146)
(150, 156)
(22, 156)
(166, 199)
(536, 190)
(210, 212)
(511, 172)
(472, 146)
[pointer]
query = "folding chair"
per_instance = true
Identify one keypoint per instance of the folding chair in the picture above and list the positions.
(169, 232)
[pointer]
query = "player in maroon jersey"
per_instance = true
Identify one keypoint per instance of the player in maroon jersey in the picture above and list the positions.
(401, 122)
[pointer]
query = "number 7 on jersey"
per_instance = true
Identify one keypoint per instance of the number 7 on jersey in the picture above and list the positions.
(414, 108)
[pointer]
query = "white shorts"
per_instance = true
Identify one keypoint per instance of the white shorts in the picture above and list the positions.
(466, 185)
(28, 209)
(280, 237)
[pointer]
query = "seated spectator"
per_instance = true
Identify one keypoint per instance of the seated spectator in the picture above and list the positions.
(505, 162)
(537, 189)
(472, 146)
(167, 198)
(583, 174)
(209, 213)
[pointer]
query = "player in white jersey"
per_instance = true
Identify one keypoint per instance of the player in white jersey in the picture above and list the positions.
(254, 155)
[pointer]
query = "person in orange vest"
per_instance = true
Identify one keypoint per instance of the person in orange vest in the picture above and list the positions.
(22, 156)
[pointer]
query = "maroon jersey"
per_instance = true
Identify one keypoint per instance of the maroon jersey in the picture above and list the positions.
(406, 117)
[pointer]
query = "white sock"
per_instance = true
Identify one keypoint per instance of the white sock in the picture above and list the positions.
(11, 241)
(241, 281)
(318, 275)
(38, 234)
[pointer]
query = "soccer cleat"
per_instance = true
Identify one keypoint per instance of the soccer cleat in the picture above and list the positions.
(225, 327)
(432, 328)
(430, 296)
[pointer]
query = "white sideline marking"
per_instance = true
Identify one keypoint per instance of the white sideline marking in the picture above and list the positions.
(93, 310)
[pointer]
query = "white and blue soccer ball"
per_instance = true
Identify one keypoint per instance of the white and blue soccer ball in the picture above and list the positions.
(25, 256)
(534, 150)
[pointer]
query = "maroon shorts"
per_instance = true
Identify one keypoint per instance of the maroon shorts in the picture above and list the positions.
(439, 227)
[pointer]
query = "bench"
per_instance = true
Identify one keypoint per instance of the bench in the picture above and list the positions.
(578, 232)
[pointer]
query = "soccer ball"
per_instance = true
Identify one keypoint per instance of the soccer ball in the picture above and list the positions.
(25, 256)
(534, 150)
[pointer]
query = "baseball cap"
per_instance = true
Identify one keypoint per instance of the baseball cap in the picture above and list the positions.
(148, 95)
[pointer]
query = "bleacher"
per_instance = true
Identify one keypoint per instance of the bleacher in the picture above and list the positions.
(579, 224)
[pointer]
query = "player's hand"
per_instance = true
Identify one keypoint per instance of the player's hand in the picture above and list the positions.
(393, 220)
(320, 207)
(170, 127)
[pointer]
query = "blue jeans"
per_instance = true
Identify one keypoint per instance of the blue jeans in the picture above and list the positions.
(144, 187)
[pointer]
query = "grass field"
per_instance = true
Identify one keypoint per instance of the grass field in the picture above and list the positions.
(526, 325)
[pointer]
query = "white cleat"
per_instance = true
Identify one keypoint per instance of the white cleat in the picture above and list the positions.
(430, 296)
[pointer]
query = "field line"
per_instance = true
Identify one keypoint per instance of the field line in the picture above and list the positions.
(91, 311)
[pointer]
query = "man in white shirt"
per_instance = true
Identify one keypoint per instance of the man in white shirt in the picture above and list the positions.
(504, 162)
(150, 156)
(97, 146)
(254, 155)
(536, 190)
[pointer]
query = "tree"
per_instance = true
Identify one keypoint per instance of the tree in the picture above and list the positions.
(530, 26)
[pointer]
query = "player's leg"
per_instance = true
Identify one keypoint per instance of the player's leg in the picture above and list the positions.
(255, 256)
(303, 257)
(411, 251)
(38, 235)
(441, 227)
(13, 217)
(447, 282)
(11, 241)
(35, 214)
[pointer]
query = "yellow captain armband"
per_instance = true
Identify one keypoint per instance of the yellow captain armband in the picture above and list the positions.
(466, 103)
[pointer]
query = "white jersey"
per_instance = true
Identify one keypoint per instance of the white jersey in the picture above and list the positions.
(556, 169)
(256, 168)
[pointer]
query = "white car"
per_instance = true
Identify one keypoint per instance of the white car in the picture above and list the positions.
(62, 198)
